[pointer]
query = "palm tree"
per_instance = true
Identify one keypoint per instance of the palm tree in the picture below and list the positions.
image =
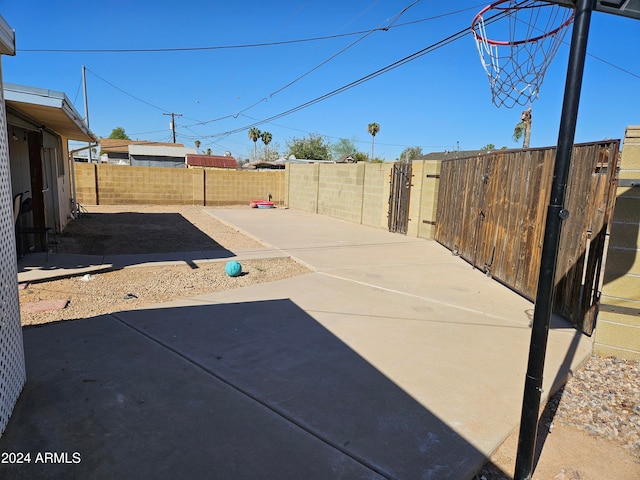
(373, 130)
(197, 143)
(266, 139)
(523, 129)
(254, 135)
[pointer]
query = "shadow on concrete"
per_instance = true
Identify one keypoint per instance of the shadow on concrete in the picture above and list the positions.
(492, 471)
(130, 233)
(99, 242)
(230, 391)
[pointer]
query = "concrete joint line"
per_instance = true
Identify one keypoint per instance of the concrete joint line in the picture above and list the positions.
(265, 405)
(427, 299)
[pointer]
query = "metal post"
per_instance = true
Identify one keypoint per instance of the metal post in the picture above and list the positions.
(555, 214)
(86, 104)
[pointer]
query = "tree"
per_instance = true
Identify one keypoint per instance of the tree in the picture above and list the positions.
(344, 146)
(118, 133)
(410, 153)
(488, 147)
(313, 147)
(360, 157)
(373, 129)
(208, 151)
(197, 144)
(254, 135)
(266, 139)
(523, 129)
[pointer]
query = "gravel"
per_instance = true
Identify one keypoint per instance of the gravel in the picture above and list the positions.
(134, 287)
(603, 400)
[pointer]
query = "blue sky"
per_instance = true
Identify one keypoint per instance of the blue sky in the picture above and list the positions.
(439, 101)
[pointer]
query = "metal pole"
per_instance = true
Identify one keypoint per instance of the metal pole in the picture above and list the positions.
(86, 104)
(555, 215)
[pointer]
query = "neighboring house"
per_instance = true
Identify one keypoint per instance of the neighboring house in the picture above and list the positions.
(159, 156)
(449, 154)
(115, 151)
(210, 161)
(40, 124)
(346, 159)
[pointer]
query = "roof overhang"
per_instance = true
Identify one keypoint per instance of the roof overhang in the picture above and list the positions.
(49, 109)
(7, 38)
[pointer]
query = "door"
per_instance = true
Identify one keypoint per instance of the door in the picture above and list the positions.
(399, 194)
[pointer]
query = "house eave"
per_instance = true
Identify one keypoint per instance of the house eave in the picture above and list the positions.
(50, 109)
(7, 38)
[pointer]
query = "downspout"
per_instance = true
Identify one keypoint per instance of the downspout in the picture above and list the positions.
(74, 204)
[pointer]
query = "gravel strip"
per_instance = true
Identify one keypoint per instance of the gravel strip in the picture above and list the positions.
(603, 399)
(130, 288)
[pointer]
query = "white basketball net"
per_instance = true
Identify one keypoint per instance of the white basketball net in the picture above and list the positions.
(530, 35)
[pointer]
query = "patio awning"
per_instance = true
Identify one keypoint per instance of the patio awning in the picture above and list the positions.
(50, 109)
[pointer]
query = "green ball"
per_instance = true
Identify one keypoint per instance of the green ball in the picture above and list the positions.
(233, 268)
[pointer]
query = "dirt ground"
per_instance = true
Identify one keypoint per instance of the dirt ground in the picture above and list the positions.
(565, 452)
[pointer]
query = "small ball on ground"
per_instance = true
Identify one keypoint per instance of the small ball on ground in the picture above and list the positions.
(233, 268)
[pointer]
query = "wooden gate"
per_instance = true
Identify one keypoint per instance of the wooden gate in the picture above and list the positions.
(492, 211)
(399, 197)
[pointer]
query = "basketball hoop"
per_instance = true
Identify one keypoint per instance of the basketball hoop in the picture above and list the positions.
(532, 32)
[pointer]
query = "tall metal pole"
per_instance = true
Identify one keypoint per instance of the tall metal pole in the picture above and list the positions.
(555, 215)
(86, 104)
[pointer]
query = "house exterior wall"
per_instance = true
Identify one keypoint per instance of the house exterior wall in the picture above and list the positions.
(618, 323)
(57, 179)
(12, 365)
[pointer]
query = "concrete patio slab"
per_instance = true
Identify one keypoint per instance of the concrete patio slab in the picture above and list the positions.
(111, 403)
(394, 356)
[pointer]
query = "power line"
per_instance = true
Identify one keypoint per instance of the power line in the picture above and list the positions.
(366, 78)
(241, 46)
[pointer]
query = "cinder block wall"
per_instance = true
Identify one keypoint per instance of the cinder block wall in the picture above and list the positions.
(355, 192)
(618, 327)
(233, 187)
(359, 193)
(104, 184)
(302, 187)
(375, 202)
(85, 179)
(430, 178)
(340, 191)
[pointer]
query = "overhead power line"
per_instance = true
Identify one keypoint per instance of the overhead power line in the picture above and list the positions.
(366, 78)
(241, 46)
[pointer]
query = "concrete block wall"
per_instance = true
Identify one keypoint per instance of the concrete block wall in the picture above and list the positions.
(302, 187)
(102, 184)
(430, 179)
(375, 197)
(233, 187)
(618, 322)
(357, 193)
(85, 180)
(340, 191)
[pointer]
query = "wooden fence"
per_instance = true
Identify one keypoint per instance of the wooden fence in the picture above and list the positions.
(492, 210)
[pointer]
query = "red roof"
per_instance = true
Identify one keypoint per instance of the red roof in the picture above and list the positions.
(216, 161)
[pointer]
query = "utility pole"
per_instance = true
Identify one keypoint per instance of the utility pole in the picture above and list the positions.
(173, 123)
(86, 104)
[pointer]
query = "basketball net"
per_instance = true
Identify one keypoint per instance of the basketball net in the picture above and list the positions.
(531, 33)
